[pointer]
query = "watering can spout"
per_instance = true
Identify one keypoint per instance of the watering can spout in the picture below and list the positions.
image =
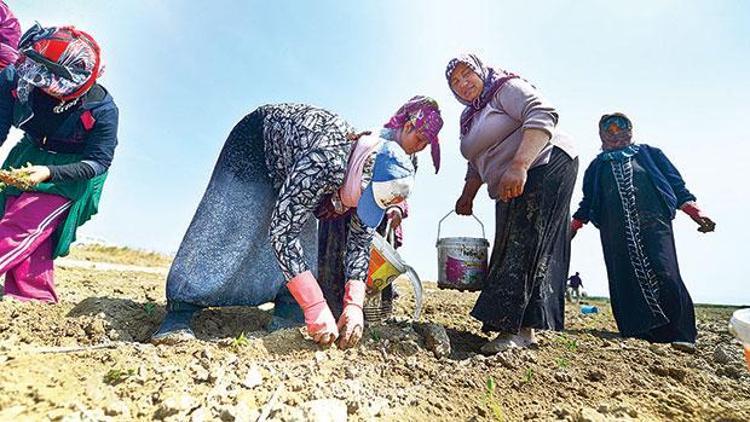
(386, 265)
(416, 284)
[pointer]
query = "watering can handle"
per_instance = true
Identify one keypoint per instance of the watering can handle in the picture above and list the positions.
(390, 234)
(448, 215)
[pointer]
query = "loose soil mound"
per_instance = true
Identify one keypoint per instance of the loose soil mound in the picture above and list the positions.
(86, 359)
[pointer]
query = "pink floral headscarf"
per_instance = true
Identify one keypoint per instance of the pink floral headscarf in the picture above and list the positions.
(424, 113)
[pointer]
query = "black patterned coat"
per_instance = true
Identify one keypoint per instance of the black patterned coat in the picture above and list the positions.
(246, 238)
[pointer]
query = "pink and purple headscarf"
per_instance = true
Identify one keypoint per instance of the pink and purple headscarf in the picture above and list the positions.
(424, 114)
(493, 80)
(10, 33)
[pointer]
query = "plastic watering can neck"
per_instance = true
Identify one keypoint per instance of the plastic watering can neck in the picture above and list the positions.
(390, 234)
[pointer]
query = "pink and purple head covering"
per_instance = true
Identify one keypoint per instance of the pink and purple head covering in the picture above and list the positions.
(424, 114)
(10, 33)
(493, 80)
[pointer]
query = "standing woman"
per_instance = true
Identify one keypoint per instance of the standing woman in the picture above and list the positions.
(248, 239)
(510, 139)
(631, 193)
(420, 119)
(70, 134)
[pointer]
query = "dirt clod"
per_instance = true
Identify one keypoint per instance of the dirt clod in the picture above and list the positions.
(436, 339)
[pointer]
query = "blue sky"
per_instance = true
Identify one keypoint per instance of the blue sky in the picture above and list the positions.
(184, 72)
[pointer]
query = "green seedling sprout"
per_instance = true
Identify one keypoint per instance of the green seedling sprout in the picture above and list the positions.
(116, 376)
(491, 400)
(375, 335)
(240, 340)
(570, 344)
(528, 375)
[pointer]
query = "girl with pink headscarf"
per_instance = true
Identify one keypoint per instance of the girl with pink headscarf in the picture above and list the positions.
(419, 117)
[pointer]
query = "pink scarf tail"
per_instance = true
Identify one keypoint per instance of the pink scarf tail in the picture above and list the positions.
(351, 191)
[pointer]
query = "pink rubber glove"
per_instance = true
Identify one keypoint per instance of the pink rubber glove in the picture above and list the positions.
(318, 317)
(352, 320)
(705, 223)
(575, 225)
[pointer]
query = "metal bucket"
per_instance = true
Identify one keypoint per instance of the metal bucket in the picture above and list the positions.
(462, 261)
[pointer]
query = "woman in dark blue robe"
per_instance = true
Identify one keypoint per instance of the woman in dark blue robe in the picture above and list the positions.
(631, 194)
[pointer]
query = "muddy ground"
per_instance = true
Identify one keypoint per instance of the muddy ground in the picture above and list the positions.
(87, 359)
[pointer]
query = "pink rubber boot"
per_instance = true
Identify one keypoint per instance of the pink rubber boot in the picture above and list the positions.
(318, 317)
(352, 321)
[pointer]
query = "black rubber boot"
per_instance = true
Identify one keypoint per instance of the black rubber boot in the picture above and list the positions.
(286, 312)
(176, 325)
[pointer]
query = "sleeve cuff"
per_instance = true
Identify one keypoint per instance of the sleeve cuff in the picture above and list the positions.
(686, 200)
(549, 129)
(98, 168)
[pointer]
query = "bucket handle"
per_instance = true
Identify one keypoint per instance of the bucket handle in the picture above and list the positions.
(448, 215)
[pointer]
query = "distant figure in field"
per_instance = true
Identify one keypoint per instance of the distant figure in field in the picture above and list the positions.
(509, 137)
(574, 286)
(631, 193)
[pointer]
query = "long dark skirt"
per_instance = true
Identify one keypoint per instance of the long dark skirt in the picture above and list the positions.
(649, 299)
(531, 255)
(332, 236)
(226, 258)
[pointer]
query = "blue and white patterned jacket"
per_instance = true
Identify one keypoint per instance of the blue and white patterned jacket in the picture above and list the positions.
(663, 173)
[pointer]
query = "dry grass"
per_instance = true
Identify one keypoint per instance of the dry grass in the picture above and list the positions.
(119, 255)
